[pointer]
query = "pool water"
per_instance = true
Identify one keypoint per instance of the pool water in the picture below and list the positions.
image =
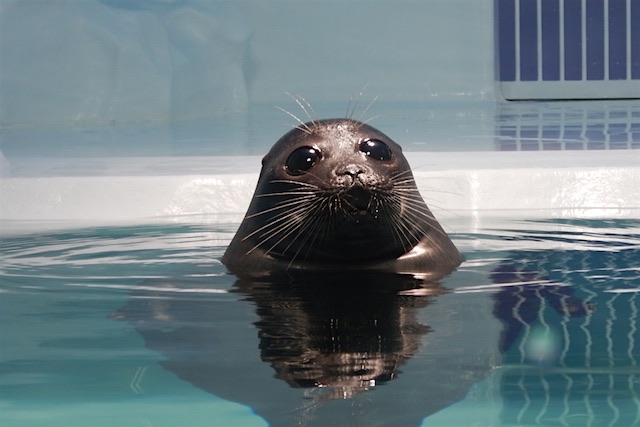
(142, 326)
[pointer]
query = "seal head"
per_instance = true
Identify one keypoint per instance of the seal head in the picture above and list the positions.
(339, 195)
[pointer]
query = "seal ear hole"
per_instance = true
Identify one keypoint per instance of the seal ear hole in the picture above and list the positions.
(375, 149)
(302, 159)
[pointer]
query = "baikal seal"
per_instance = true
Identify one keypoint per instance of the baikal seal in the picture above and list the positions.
(339, 195)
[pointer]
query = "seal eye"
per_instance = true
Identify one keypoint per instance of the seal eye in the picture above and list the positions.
(301, 160)
(376, 149)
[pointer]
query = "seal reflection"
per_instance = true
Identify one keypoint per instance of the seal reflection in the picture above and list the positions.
(330, 336)
(343, 333)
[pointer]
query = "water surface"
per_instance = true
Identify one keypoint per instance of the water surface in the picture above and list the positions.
(142, 325)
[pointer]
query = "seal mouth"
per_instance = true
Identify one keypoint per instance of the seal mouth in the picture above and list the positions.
(359, 204)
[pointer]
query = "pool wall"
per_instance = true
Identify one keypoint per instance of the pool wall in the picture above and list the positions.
(112, 112)
(113, 61)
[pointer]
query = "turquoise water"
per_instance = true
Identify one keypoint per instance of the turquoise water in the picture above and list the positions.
(142, 326)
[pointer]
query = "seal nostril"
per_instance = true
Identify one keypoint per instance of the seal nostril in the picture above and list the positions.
(351, 170)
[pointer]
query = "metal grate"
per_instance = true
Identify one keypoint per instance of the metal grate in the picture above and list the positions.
(568, 49)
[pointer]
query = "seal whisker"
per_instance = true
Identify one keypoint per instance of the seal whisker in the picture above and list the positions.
(349, 113)
(299, 207)
(430, 190)
(283, 205)
(269, 231)
(414, 228)
(287, 229)
(416, 214)
(415, 210)
(406, 176)
(316, 229)
(408, 183)
(306, 107)
(295, 192)
(302, 126)
(402, 231)
(305, 191)
(353, 102)
(288, 181)
(400, 173)
(286, 208)
(318, 178)
(414, 203)
(402, 182)
(370, 119)
(373, 101)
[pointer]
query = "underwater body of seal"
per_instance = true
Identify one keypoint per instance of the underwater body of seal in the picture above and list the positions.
(339, 195)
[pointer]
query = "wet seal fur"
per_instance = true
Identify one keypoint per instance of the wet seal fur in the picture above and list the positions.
(338, 195)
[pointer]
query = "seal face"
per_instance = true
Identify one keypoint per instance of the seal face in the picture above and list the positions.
(339, 194)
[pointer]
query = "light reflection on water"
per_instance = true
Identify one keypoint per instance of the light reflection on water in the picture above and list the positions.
(546, 311)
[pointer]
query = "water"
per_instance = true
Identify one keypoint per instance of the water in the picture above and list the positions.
(141, 326)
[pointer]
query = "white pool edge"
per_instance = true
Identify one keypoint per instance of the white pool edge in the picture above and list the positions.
(470, 185)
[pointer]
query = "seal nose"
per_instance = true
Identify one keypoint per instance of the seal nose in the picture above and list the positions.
(353, 174)
(352, 171)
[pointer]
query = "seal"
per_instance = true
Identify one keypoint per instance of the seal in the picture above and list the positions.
(336, 195)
